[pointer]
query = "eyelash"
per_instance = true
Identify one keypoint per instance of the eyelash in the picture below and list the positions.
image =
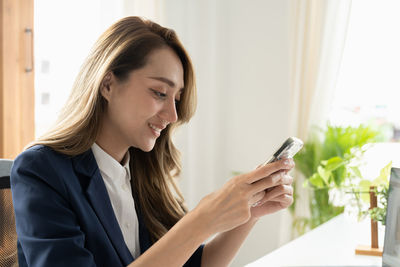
(159, 94)
(162, 95)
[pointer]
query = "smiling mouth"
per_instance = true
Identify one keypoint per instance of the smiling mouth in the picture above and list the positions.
(156, 130)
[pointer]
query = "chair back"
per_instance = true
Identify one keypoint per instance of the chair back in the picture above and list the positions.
(8, 234)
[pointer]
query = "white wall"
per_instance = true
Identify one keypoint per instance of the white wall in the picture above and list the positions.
(240, 52)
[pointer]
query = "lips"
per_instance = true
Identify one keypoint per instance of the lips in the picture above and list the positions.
(156, 128)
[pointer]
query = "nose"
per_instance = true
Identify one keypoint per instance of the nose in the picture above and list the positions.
(169, 111)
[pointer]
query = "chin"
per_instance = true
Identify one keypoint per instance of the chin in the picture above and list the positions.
(147, 147)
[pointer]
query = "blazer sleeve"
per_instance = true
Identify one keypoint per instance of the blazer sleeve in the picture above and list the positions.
(195, 259)
(47, 228)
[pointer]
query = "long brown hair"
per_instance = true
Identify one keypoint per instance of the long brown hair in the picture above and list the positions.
(122, 48)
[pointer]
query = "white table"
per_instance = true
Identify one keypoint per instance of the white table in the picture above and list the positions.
(330, 244)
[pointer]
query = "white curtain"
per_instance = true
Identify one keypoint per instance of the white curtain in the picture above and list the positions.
(318, 33)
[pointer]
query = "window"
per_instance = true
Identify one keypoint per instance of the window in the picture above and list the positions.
(65, 32)
(368, 86)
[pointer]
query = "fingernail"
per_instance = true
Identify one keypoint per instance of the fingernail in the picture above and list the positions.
(287, 179)
(276, 178)
(286, 162)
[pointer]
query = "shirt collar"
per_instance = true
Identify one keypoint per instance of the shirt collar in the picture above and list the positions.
(109, 166)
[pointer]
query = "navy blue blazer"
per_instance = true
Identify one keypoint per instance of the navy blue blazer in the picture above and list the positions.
(64, 215)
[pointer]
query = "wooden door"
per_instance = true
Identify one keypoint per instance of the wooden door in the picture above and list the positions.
(16, 76)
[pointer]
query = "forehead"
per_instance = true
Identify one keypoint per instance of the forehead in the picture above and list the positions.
(164, 63)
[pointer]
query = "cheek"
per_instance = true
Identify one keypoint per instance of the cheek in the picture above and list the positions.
(121, 111)
(134, 108)
(148, 107)
(136, 112)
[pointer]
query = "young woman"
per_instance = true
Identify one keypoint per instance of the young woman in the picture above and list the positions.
(98, 189)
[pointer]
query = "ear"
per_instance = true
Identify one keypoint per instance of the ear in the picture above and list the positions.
(105, 87)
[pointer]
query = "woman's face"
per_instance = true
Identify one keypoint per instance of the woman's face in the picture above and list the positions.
(140, 107)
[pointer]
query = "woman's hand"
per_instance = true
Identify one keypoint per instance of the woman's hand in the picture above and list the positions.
(275, 198)
(232, 205)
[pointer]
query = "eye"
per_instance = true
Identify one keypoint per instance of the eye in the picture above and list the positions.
(159, 94)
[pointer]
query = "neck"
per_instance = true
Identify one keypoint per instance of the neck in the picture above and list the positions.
(117, 154)
(111, 145)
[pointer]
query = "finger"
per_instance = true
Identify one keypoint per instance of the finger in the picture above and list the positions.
(273, 180)
(268, 169)
(267, 182)
(278, 191)
(284, 200)
(274, 193)
(294, 165)
(256, 199)
(286, 179)
(270, 207)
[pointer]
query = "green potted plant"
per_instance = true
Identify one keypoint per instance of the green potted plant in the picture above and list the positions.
(328, 161)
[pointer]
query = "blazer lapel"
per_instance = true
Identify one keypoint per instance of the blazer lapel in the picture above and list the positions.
(97, 195)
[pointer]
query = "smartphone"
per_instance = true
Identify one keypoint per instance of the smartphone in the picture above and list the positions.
(288, 149)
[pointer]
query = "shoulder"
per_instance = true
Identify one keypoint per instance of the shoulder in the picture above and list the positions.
(39, 150)
(38, 155)
(40, 164)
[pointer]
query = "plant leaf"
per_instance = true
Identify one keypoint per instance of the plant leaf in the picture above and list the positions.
(356, 171)
(383, 178)
(316, 180)
(333, 163)
(324, 174)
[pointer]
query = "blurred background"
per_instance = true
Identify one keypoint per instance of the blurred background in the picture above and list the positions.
(266, 70)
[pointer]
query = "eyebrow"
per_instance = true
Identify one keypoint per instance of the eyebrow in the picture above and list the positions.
(165, 80)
